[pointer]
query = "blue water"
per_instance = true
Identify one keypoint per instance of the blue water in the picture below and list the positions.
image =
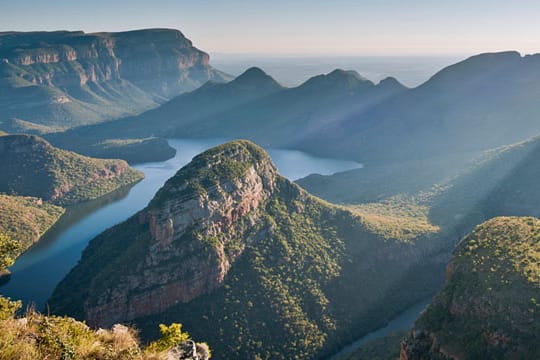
(402, 322)
(36, 273)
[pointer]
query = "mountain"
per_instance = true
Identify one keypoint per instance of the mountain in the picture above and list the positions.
(486, 101)
(249, 259)
(256, 107)
(210, 99)
(33, 167)
(62, 79)
(501, 182)
(490, 305)
(342, 115)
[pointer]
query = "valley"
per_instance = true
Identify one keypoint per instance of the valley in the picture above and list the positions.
(59, 249)
(154, 206)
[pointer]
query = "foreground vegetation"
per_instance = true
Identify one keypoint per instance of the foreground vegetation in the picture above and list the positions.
(36, 336)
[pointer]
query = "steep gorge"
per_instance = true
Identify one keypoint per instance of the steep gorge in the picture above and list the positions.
(238, 253)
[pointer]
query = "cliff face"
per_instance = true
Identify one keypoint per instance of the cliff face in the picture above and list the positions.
(233, 250)
(489, 305)
(73, 75)
(201, 229)
(33, 167)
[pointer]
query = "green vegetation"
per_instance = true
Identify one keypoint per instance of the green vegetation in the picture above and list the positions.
(8, 251)
(399, 217)
(36, 178)
(25, 219)
(35, 168)
(36, 336)
(234, 159)
(490, 306)
(131, 150)
(305, 277)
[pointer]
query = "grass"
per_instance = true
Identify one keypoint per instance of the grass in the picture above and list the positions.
(399, 217)
(37, 336)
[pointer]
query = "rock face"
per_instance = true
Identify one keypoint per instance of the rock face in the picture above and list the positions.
(489, 307)
(236, 252)
(197, 226)
(33, 167)
(73, 74)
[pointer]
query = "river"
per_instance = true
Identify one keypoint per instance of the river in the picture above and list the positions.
(36, 273)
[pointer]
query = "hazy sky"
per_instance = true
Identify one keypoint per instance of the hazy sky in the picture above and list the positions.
(338, 27)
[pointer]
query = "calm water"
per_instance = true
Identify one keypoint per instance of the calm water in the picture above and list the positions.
(402, 322)
(36, 272)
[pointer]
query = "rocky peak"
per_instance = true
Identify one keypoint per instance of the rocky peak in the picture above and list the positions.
(391, 83)
(338, 79)
(255, 77)
(199, 216)
(491, 298)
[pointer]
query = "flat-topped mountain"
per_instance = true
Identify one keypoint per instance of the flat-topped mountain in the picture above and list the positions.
(33, 167)
(67, 78)
(490, 305)
(238, 253)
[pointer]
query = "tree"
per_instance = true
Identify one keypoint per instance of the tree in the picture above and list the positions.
(9, 249)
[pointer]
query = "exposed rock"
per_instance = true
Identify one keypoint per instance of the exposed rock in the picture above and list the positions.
(130, 70)
(236, 252)
(195, 226)
(189, 350)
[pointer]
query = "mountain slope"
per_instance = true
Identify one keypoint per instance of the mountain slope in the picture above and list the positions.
(485, 101)
(70, 78)
(248, 258)
(187, 109)
(32, 167)
(489, 307)
(256, 107)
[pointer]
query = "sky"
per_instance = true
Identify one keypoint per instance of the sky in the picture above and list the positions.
(301, 27)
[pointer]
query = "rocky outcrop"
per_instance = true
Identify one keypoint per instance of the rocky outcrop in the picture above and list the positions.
(189, 350)
(235, 251)
(193, 225)
(130, 70)
(489, 306)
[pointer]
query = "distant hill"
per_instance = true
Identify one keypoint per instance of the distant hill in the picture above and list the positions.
(63, 78)
(249, 259)
(486, 101)
(490, 305)
(32, 167)
(483, 102)
(253, 106)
